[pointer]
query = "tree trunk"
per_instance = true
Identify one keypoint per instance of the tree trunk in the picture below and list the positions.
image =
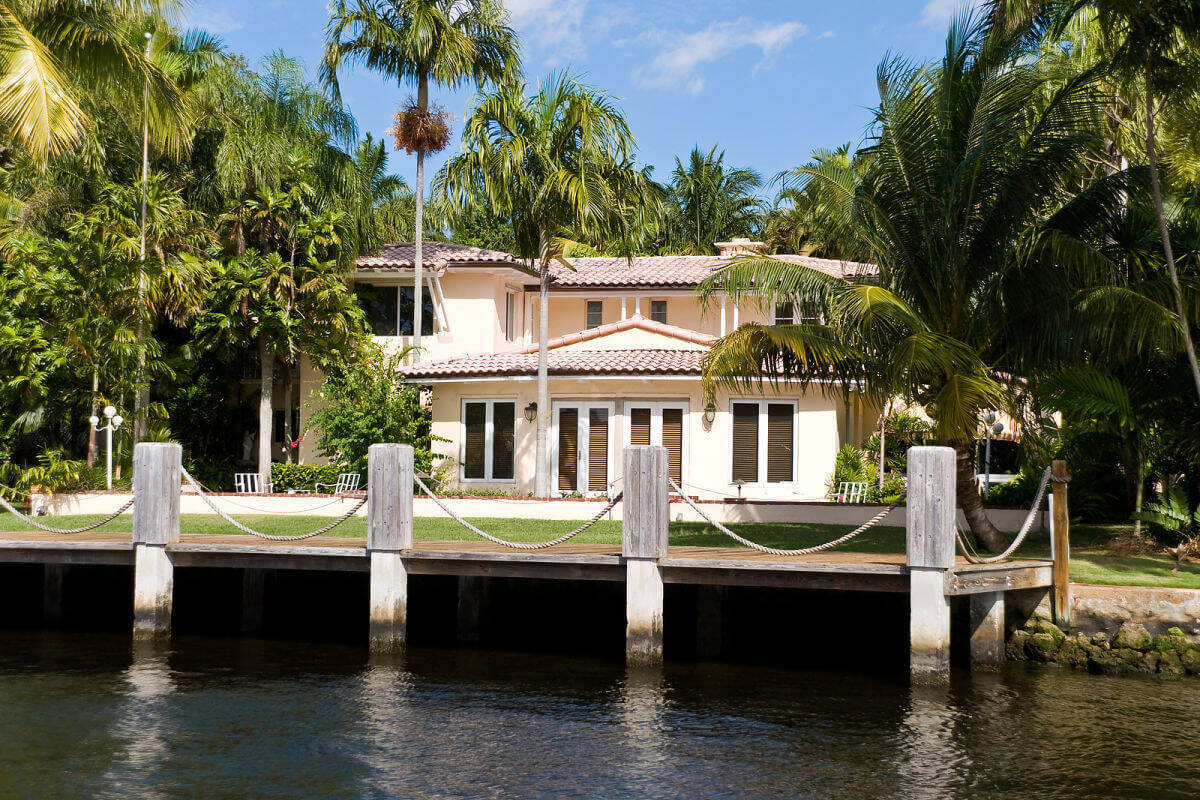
(418, 229)
(1139, 495)
(883, 443)
(1156, 190)
(971, 504)
(266, 384)
(141, 397)
(542, 475)
(91, 447)
(288, 436)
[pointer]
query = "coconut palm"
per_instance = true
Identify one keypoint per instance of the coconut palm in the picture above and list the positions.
(976, 208)
(557, 165)
(448, 42)
(711, 201)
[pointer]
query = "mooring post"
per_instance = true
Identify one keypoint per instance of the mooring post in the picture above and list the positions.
(157, 471)
(987, 629)
(930, 555)
(389, 531)
(1060, 530)
(645, 516)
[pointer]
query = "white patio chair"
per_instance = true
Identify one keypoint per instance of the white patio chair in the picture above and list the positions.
(851, 492)
(249, 483)
(346, 482)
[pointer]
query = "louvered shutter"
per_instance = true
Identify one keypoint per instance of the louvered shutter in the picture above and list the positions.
(639, 426)
(568, 450)
(672, 439)
(780, 418)
(503, 440)
(745, 442)
(597, 450)
(475, 418)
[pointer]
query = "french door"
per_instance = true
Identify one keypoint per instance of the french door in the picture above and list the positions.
(662, 424)
(583, 447)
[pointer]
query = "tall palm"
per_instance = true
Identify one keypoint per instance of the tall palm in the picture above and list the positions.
(973, 209)
(557, 164)
(448, 42)
(712, 201)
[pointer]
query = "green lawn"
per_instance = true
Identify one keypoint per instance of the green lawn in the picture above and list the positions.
(1090, 563)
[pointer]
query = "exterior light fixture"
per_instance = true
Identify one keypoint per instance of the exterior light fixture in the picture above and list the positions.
(994, 429)
(710, 413)
(531, 412)
(114, 421)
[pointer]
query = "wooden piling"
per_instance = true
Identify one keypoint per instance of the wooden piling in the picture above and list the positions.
(157, 472)
(930, 558)
(987, 630)
(1060, 530)
(645, 516)
(389, 531)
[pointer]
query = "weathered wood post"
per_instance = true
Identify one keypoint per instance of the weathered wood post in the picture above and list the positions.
(157, 471)
(930, 555)
(645, 516)
(389, 531)
(987, 629)
(1060, 530)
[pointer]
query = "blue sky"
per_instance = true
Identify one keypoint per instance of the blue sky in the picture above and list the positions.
(768, 80)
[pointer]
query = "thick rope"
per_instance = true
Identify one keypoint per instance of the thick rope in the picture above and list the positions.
(9, 507)
(973, 557)
(775, 551)
(246, 529)
(517, 545)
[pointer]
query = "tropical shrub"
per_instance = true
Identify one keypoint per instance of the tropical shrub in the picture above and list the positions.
(1020, 491)
(304, 476)
(1174, 521)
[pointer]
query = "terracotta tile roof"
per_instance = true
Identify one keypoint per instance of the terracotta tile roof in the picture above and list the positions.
(636, 321)
(400, 256)
(562, 362)
(676, 271)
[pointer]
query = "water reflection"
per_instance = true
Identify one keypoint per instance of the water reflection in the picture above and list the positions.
(930, 759)
(643, 709)
(143, 724)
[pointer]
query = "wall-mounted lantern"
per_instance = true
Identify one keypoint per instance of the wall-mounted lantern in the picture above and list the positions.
(531, 412)
(710, 413)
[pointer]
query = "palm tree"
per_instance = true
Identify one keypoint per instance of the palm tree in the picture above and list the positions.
(448, 42)
(976, 206)
(804, 220)
(711, 202)
(557, 165)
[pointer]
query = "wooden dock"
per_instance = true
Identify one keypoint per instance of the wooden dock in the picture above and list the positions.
(928, 572)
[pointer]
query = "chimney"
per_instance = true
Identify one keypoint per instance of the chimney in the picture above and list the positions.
(737, 246)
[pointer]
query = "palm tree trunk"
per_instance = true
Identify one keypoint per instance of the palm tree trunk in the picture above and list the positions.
(418, 228)
(541, 474)
(971, 504)
(266, 385)
(883, 443)
(287, 412)
(1139, 494)
(1156, 191)
(91, 447)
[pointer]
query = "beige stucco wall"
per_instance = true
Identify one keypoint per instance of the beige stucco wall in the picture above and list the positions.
(568, 311)
(820, 430)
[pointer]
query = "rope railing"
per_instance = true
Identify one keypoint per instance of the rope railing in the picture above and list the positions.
(440, 503)
(270, 537)
(776, 551)
(65, 531)
(973, 557)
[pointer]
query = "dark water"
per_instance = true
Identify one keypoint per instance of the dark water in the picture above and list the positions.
(83, 716)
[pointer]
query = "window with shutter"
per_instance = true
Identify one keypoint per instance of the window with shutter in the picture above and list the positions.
(504, 417)
(475, 422)
(639, 426)
(745, 442)
(597, 449)
(672, 439)
(568, 449)
(779, 442)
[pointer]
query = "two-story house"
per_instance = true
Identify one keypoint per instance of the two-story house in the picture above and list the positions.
(625, 343)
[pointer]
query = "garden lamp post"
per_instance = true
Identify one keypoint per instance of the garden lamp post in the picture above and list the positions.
(113, 422)
(994, 428)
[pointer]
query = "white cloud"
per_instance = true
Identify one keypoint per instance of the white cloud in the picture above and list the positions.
(553, 26)
(676, 65)
(216, 19)
(938, 13)
(826, 35)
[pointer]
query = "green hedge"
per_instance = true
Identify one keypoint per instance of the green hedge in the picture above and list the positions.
(304, 476)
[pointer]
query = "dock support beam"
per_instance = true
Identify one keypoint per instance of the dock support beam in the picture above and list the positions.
(254, 590)
(643, 543)
(472, 598)
(157, 471)
(930, 557)
(389, 531)
(1060, 532)
(987, 630)
(53, 578)
(710, 620)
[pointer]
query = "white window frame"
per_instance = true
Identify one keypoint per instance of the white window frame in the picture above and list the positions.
(762, 439)
(488, 438)
(583, 456)
(510, 315)
(656, 408)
